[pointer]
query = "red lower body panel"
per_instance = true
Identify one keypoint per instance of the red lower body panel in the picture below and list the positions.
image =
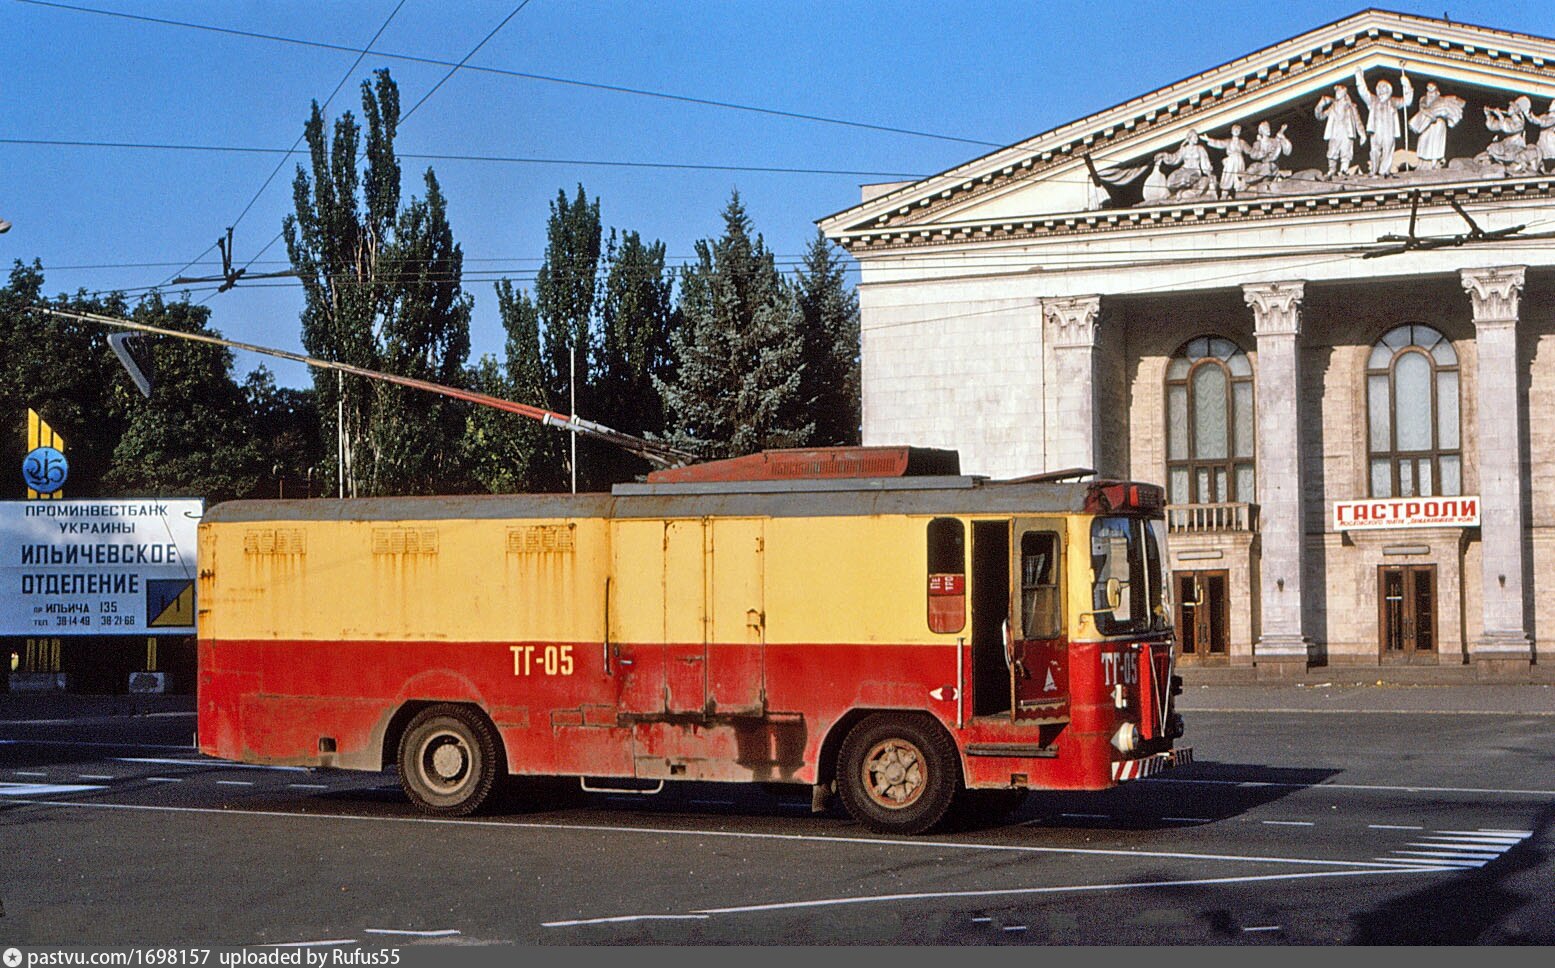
(717, 712)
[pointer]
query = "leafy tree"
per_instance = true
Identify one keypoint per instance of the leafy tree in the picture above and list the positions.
(612, 302)
(739, 354)
(831, 345)
(636, 313)
(383, 290)
(285, 424)
(193, 437)
(63, 369)
(508, 453)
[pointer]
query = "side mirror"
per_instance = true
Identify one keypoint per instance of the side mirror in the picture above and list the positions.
(1114, 594)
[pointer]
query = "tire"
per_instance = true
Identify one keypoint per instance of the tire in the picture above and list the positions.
(898, 773)
(448, 761)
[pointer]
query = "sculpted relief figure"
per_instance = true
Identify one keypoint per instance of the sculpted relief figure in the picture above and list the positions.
(1266, 151)
(1233, 172)
(1436, 114)
(1546, 144)
(1382, 119)
(1342, 130)
(1195, 174)
(1512, 148)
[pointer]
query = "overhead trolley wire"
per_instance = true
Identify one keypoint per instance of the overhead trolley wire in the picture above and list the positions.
(350, 71)
(549, 79)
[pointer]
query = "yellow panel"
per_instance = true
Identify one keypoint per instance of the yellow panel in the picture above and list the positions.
(848, 579)
(684, 582)
(458, 580)
(637, 593)
(736, 600)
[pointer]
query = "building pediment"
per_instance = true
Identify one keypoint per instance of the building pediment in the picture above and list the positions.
(1466, 107)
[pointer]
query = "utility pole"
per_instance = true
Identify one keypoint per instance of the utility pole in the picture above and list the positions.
(572, 404)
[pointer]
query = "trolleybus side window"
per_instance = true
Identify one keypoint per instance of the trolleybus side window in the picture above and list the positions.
(1039, 604)
(947, 575)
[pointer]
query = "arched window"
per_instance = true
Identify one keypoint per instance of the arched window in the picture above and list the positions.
(1209, 423)
(1412, 411)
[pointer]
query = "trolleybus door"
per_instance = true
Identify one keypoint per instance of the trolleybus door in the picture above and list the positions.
(1037, 650)
(658, 641)
(737, 616)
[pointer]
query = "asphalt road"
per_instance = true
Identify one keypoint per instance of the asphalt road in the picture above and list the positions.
(1294, 827)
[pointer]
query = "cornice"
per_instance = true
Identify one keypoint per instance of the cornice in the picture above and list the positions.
(1209, 212)
(1397, 34)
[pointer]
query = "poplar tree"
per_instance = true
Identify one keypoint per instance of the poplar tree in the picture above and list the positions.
(383, 290)
(831, 345)
(636, 313)
(739, 351)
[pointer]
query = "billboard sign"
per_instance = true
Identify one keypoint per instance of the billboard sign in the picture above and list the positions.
(1410, 512)
(111, 567)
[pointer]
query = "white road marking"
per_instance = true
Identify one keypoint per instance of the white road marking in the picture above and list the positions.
(1357, 786)
(307, 786)
(1014, 927)
(1263, 927)
(1458, 860)
(190, 761)
(161, 779)
(1188, 819)
(234, 782)
(1393, 826)
(1519, 834)
(1289, 823)
(1013, 892)
(28, 773)
(443, 933)
(94, 776)
(43, 789)
(982, 920)
(625, 919)
(1086, 816)
(310, 944)
(1430, 865)
(818, 839)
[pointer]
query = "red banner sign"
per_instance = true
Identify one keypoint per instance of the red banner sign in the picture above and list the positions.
(1406, 512)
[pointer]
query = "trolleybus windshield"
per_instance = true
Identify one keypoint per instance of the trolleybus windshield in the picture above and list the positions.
(1129, 550)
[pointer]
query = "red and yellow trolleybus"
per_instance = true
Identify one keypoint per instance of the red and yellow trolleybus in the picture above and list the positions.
(867, 621)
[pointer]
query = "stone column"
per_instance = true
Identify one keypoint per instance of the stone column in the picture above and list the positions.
(1069, 329)
(1281, 649)
(1502, 645)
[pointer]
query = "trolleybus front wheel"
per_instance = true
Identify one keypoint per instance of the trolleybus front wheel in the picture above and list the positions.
(898, 774)
(448, 761)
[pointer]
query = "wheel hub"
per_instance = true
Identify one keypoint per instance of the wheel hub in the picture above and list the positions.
(894, 773)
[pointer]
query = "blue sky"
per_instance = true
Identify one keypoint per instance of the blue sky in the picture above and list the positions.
(994, 72)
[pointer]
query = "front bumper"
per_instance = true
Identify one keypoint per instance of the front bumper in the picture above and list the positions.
(1151, 765)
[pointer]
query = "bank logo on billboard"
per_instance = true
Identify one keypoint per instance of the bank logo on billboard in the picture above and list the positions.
(45, 469)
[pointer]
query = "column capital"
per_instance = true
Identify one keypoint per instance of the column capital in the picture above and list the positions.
(1276, 307)
(1494, 292)
(1072, 321)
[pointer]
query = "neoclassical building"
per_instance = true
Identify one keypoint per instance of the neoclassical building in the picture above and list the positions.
(1308, 291)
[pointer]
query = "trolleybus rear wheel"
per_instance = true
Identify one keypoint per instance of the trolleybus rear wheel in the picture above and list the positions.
(898, 774)
(448, 761)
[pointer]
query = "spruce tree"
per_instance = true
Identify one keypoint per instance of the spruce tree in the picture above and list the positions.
(739, 351)
(831, 345)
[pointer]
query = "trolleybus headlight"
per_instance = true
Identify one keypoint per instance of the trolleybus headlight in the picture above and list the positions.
(1126, 739)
